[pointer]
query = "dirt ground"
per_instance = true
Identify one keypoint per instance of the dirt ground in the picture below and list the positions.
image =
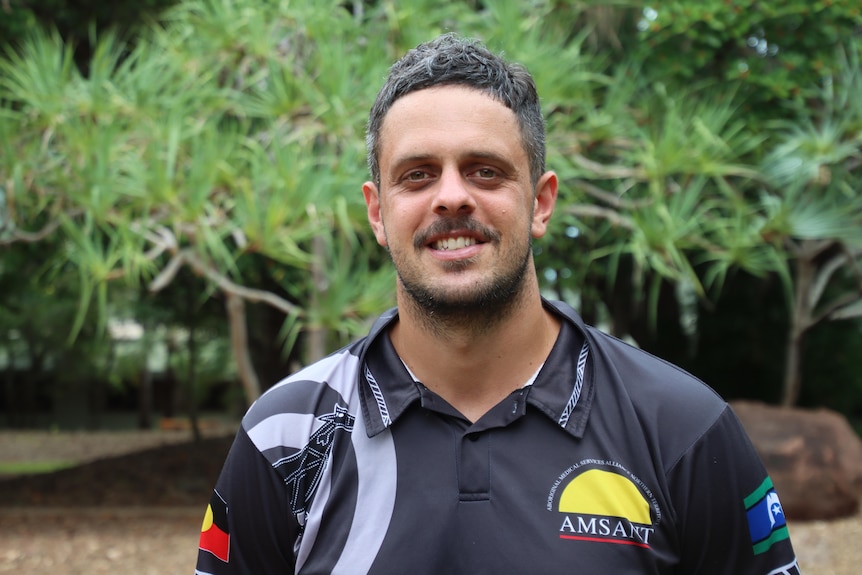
(136, 501)
(93, 541)
(133, 505)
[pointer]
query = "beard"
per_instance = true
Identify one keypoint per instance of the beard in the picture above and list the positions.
(477, 307)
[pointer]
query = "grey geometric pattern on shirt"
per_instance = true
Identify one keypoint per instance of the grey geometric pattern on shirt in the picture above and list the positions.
(789, 569)
(378, 397)
(579, 383)
(302, 470)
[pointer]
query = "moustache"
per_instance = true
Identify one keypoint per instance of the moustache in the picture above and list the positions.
(450, 225)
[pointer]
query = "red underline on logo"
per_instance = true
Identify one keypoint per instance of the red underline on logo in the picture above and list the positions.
(597, 540)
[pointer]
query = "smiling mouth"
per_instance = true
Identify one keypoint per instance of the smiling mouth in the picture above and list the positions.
(448, 244)
(452, 234)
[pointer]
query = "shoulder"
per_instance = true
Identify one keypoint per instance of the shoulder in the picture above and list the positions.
(298, 404)
(657, 393)
(646, 374)
(677, 406)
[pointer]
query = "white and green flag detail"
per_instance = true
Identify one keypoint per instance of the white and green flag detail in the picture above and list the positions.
(766, 521)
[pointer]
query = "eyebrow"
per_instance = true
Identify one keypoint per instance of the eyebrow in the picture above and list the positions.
(480, 155)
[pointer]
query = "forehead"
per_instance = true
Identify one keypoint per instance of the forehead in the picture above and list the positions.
(448, 121)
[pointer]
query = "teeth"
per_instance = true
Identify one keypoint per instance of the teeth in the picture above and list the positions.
(454, 243)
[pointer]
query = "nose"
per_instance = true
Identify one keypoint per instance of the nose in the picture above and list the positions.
(453, 195)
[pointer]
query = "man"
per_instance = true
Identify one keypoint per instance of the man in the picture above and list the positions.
(479, 428)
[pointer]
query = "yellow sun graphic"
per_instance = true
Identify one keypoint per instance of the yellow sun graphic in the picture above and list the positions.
(598, 492)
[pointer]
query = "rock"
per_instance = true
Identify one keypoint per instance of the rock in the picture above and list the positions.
(813, 456)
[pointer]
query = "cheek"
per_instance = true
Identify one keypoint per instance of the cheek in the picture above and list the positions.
(402, 218)
(393, 228)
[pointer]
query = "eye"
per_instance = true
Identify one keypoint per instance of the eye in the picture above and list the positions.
(486, 176)
(415, 176)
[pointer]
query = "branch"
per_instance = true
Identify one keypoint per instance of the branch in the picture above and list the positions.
(609, 172)
(608, 198)
(168, 274)
(850, 311)
(850, 305)
(239, 344)
(615, 218)
(226, 285)
(33, 237)
(854, 254)
(809, 249)
(30, 237)
(821, 280)
(834, 309)
(848, 257)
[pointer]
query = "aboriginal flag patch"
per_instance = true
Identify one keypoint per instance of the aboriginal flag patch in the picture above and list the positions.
(215, 537)
(766, 523)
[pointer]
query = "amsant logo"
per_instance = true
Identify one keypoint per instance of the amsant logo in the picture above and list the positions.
(602, 502)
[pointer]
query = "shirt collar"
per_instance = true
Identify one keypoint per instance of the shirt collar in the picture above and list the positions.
(563, 389)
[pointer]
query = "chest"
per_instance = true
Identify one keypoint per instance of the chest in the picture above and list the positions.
(522, 498)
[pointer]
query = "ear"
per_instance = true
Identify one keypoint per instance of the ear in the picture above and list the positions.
(544, 202)
(375, 218)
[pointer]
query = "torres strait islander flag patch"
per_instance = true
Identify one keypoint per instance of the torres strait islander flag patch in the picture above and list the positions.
(214, 531)
(766, 522)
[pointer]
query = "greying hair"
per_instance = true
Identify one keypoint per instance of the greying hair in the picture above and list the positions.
(450, 60)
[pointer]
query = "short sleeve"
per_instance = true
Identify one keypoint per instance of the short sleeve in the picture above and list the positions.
(246, 529)
(730, 520)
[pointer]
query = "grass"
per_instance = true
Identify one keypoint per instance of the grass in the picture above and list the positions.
(8, 468)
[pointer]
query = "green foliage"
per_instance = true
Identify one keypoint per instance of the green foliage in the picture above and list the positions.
(40, 302)
(813, 166)
(228, 139)
(775, 51)
(74, 19)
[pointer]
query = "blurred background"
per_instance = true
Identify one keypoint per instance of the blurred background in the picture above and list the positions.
(181, 223)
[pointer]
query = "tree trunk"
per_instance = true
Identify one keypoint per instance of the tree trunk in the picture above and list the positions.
(171, 392)
(145, 398)
(9, 379)
(192, 374)
(192, 380)
(792, 368)
(800, 322)
(239, 345)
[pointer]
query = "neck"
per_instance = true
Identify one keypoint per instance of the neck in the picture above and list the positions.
(472, 360)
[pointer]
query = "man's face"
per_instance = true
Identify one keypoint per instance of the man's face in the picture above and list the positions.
(455, 205)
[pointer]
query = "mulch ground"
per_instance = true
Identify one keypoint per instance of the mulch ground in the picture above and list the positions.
(134, 503)
(98, 541)
(175, 475)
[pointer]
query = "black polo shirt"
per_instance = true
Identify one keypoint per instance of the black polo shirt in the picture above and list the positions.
(610, 461)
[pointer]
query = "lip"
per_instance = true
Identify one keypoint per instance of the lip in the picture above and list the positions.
(451, 229)
(464, 253)
(474, 244)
